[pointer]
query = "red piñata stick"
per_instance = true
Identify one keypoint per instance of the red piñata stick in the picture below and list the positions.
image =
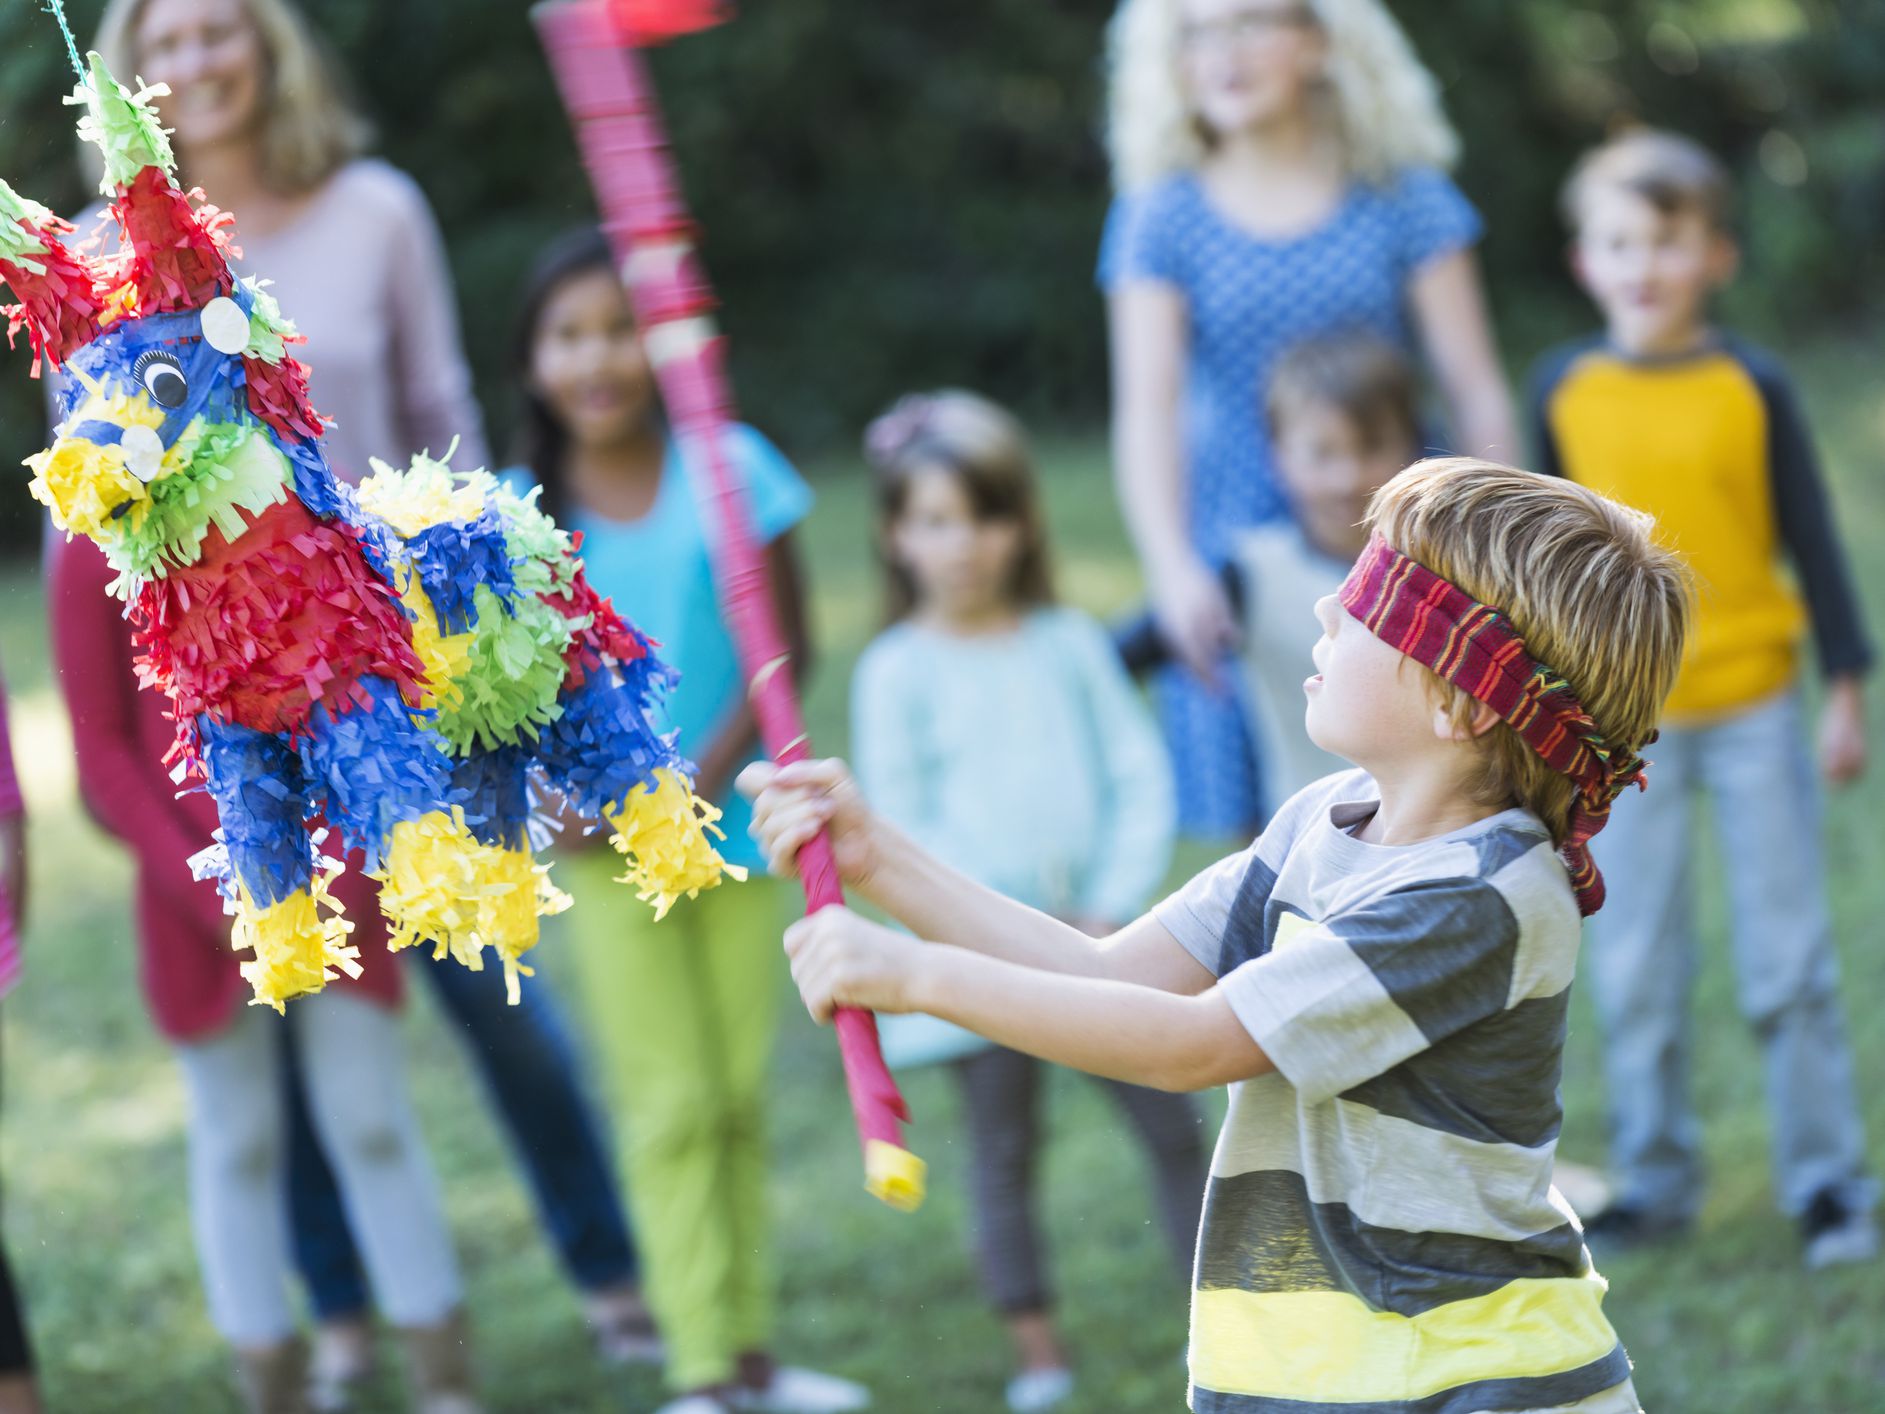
(591, 46)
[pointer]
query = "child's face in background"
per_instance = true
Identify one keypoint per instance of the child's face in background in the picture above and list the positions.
(1330, 466)
(587, 362)
(1248, 63)
(1650, 271)
(962, 564)
(1367, 702)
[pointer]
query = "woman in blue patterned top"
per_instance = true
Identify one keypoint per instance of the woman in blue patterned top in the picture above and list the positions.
(1280, 170)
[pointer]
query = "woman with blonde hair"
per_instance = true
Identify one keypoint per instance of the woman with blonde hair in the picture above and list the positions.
(1279, 168)
(354, 255)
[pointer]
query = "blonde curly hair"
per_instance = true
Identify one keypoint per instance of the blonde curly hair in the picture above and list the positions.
(310, 128)
(1379, 98)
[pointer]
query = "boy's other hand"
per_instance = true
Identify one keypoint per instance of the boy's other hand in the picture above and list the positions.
(1196, 617)
(1842, 732)
(840, 959)
(793, 803)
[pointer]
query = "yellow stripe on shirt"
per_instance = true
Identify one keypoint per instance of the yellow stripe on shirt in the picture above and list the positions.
(1329, 1346)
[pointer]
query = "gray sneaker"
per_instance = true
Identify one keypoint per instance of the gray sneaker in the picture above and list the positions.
(1835, 1234)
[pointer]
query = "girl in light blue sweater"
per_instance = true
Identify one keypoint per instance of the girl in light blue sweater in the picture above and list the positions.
(999, 729)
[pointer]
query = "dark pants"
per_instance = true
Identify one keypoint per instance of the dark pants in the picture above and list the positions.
(530, 1071)
(16, 1350)
(1001, 1089)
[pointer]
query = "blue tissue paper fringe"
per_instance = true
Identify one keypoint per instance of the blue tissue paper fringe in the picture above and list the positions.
(259, 785)
(372, 766)
(603, 745)
(454, 558)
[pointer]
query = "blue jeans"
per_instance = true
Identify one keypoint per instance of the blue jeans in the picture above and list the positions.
(531, 1073)
(1759, 777)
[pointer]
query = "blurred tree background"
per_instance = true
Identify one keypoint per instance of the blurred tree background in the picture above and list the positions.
(912, 194)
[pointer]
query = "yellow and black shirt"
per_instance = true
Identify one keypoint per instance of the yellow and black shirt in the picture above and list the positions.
(1713, 445)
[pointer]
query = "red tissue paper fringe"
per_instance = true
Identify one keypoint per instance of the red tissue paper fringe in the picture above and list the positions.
(258, 632)
(176, 247)
(278, 394)
(608, 634)
(58, 309)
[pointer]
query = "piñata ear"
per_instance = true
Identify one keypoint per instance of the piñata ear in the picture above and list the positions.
(173, 257)
(59, 292)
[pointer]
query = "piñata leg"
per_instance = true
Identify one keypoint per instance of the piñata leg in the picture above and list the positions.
(270, 867)
(490, 789)
(384, 782)
(610, 763)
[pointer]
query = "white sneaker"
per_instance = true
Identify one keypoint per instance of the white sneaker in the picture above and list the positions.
(1837, 1235)
(796, 1391)
(696, 1404)
(1034, 1390)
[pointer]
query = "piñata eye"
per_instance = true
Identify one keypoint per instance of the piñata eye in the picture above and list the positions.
(160, 375)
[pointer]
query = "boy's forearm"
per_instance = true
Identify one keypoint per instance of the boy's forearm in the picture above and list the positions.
(1137, 1034)
(944, 905)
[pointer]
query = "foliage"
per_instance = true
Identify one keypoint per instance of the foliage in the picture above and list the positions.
(911, 194)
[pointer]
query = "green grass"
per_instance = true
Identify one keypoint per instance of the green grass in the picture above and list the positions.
(92, 1136)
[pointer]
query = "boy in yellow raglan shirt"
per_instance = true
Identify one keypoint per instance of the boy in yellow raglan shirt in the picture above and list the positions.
(1665, 412)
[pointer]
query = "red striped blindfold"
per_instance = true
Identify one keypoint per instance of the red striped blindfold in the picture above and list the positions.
(1474, 647)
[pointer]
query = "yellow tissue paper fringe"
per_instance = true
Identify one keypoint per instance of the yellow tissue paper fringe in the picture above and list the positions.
(296, 949)
(81, 483)
(663, 834)
(422, 495)
(443, 886)
(446, 656)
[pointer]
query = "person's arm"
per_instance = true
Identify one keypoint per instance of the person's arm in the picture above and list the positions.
(1122, 1030)
(883, 865)
(1138, 809)
(433, 389)
(122, 788)
(1148, 326)
(1806, 528)
(1449, 306)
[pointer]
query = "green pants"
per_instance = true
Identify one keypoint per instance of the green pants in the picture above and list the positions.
(684, 1012)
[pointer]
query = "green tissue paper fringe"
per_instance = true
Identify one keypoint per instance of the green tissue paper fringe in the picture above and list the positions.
(233, 470)
(123, 125)
(509, 687)
(17, 244)
(269, 328)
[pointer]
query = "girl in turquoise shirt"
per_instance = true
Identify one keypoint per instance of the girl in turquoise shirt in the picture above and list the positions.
(1000, 730)
(683, 1011)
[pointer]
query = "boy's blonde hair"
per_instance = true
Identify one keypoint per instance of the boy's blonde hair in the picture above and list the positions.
(309, 127)
(1359, 374)
(1380, 100)
(1580, 578)
(1671, 172)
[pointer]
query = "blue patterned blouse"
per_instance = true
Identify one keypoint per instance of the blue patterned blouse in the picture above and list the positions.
(1250, 297)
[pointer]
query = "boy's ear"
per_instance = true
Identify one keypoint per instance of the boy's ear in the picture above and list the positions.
(1483, 720)
(1724, 258)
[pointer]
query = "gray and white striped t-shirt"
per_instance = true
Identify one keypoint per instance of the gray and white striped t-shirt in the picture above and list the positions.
(1381, 1231)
